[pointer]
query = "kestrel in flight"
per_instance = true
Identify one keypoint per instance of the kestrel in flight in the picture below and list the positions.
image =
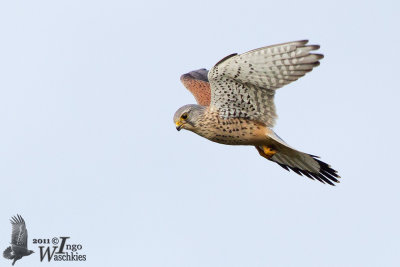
(236, 104)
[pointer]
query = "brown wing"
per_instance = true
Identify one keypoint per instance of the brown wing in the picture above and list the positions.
(197, 83)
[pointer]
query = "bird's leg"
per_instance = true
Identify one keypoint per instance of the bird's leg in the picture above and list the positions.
(266, 152)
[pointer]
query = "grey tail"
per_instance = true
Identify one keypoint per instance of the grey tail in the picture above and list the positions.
(7, 253)
(297, 161)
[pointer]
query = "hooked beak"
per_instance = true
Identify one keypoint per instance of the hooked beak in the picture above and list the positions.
(179, 125)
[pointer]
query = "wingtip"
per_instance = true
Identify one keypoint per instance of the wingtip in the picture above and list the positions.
(200, 74)
(314, 47)
(304, 41)
(17, 219)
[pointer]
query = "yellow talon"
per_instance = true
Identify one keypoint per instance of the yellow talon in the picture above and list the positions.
(266, 152)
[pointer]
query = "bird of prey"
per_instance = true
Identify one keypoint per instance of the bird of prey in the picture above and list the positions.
(236, 103)
(19, 237)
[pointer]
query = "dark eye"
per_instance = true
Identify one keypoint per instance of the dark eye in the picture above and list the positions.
(184, 116)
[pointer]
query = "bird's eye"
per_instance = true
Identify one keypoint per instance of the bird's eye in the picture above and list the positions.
(184, 116)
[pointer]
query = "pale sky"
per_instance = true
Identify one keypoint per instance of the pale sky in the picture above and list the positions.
(88, 148)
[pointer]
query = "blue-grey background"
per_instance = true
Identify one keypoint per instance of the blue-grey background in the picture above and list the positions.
(88, 148)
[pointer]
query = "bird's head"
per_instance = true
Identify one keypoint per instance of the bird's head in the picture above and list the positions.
(30, 252)
(187, 117)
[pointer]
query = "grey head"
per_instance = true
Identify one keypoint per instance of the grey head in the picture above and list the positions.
(188, 116)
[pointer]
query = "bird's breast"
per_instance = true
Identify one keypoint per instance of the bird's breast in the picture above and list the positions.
(232, 131)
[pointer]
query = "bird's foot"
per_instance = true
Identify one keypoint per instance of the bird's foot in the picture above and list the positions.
(266, 152)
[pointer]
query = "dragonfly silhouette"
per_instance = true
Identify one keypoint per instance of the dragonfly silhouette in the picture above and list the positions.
(19, 237)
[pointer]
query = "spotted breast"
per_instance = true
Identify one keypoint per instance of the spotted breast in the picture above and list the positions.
(231, 131)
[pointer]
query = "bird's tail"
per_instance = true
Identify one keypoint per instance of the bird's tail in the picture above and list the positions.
(8, 254)
(301, 163)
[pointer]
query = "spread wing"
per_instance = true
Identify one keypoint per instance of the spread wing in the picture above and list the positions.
(244, 85)
(197, 83)
(19, 235)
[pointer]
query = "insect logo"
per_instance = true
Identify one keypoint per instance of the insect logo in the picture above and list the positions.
(19, 237)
